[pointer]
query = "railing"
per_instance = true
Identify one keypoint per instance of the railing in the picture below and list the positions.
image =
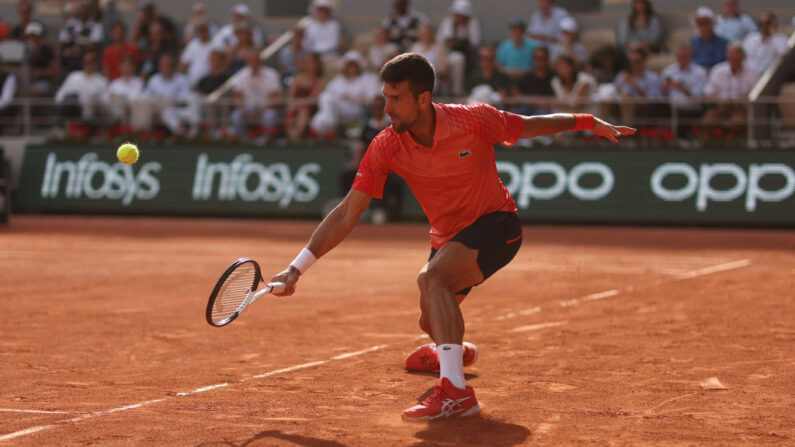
(660, 121)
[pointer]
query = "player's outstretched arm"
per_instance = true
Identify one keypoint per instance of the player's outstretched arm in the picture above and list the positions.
(536, 126)
(331, 231)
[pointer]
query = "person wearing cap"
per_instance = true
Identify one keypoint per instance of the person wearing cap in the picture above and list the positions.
(322, 33)
(195, 58)
(42, 61)
(568, 45)
(641, 29)
(257, 91)
(734, 25)
(402, 24)
(241, 15)
(148, 16)
(198, 14)
(763, 47)
(709, 48)
(728, 86)
(25, 13)
(544, 24)
(345, 97)
(515, 54)
(119, 48)
(459, 32)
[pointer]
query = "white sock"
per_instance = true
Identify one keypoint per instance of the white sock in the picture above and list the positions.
(451, 364)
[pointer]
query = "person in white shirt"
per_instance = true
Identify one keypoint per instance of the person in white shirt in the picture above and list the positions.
(733, 25)
(573, 88)
(346, 95)
(226, 38)
(322, 33)
(381, 50)
(728, 86)
(8, 90)
(164, 89)
(459, 32)
(123, 90)
(763, 47)
(544, 24)
(428, 47)
(683, 84)
(82, 89)
(195, 59)
(257, 91)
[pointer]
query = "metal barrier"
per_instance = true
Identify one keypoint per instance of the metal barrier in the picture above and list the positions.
(658, 119)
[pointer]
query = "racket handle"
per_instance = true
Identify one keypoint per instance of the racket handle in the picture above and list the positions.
(277, 287)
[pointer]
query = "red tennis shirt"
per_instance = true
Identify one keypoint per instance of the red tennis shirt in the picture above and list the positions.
(456, 180)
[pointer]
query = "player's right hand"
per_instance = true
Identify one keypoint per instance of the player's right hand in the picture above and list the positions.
(289, 277)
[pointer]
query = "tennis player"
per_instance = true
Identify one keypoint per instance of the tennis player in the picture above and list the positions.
(446, 155)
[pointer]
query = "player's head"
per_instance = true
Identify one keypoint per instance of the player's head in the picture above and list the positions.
(408, 83)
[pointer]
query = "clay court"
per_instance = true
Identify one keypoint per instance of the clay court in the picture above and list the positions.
(592, 336)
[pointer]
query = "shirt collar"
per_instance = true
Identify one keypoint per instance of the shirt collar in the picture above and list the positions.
(441, 130)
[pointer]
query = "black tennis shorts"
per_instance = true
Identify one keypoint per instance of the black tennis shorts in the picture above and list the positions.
(496, 236)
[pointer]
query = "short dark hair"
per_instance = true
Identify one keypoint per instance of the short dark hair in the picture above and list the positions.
(410, 67)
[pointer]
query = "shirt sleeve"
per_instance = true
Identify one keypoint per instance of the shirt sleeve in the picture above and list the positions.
(497, 126)
(373, 170)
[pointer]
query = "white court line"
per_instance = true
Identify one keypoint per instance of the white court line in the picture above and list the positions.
(715, 269)
(14, 410)
(536, 327)
(97, 414)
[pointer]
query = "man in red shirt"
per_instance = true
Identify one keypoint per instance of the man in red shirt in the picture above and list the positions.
(446, 155)
(117, 51)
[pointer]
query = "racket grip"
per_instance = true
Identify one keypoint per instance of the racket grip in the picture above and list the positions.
(277, 287)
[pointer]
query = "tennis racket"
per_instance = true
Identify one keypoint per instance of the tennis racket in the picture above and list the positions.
(236, 290)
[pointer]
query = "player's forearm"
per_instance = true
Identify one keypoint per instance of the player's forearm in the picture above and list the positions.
(536, 126)
(332, 230)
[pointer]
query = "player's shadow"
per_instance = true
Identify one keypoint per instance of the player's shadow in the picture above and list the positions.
(477, 430)
(273, 435)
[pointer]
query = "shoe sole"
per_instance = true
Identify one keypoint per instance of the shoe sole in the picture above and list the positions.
(474, 411)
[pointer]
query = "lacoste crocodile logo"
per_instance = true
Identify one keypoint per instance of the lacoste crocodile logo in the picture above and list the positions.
(464, 153)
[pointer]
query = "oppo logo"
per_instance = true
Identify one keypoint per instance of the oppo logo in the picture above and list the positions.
(522, 182)
(699, 183)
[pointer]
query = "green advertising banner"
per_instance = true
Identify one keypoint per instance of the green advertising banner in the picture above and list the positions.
(723, 187)
(180, 181)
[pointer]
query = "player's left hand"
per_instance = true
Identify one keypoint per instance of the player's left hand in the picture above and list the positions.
(609, 131)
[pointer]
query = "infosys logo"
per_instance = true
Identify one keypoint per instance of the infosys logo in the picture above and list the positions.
(250, 181)
(93, 179)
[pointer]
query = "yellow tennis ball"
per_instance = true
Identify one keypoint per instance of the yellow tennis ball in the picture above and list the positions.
(127, 153)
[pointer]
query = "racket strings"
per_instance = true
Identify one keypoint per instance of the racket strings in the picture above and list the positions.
(236, 289)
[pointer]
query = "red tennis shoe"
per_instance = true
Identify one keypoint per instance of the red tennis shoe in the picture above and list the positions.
(424, 358)
(447, 401)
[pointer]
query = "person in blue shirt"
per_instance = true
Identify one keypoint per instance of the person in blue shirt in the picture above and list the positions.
(709, 49)
(515, 54)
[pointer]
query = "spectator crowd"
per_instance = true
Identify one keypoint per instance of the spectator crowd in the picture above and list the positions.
(156, 75)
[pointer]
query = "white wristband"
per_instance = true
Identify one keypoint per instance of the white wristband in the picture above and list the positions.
(304, 260)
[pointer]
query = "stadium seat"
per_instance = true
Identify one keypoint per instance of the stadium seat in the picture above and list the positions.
(12, 51)
(679, 36)
(594, 38)
(786, 105)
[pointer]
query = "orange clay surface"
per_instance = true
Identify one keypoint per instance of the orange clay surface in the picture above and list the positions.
(591, 336)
